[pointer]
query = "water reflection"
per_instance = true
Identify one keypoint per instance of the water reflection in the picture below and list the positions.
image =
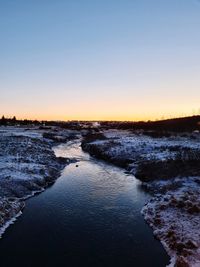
(89, 217)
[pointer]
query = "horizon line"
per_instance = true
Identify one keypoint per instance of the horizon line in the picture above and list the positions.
(99, 120)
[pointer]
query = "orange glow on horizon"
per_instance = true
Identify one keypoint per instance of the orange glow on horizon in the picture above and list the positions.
(93, 118)
(102, 109)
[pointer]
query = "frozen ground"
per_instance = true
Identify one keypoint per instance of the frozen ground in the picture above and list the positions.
(146, 157)
(175, 219)
(27, 165)
(170, 169)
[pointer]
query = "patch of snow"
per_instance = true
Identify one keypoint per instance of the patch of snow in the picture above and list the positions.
(174, 211)
(27, 165)
(175, 218)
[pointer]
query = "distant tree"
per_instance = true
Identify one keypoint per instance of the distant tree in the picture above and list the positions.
(13, 121)
(3, 120)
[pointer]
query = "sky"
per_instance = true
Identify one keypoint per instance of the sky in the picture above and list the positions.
(99, 59)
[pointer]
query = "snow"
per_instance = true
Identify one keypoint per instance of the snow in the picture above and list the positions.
(143, 147)
(175, 218)
(9, 211)
(27, 165)
(174, 211)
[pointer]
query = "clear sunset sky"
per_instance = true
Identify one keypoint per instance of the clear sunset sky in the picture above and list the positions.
(99, 59)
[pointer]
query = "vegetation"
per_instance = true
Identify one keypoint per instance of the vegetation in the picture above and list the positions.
(161, 128)
(186, 124)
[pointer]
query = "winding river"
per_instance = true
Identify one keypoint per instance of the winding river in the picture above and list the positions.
(89, 217)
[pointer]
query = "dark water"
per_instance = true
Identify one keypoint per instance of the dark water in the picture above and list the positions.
(89, 217)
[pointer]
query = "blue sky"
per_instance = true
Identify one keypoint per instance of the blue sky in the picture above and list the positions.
(98, 59)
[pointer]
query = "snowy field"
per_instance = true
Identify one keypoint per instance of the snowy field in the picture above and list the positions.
(169, 168)
(27, 166)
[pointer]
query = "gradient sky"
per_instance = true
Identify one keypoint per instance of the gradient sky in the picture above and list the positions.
(99, 59)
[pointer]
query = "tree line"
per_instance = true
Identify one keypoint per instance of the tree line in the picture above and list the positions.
(14, 121)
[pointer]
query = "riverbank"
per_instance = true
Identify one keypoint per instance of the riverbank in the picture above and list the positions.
(28, 165)
(93, 211)
(169, 167)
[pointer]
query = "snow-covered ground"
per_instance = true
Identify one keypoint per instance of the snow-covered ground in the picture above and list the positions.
(175, 219)
(170, 168)
(27, 165)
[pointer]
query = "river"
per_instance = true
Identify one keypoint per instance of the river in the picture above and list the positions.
(89, 217)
